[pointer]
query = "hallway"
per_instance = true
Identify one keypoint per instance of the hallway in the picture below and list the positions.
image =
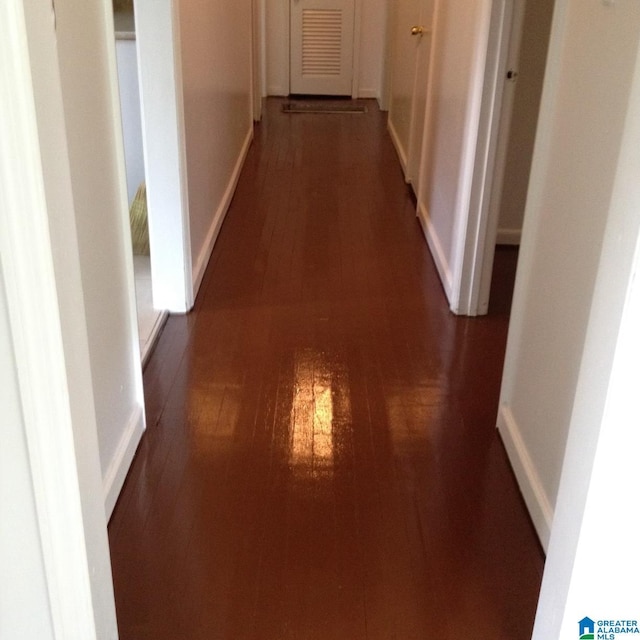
(321, 459)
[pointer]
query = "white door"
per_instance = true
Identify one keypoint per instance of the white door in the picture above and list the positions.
(322, 47)
(413, 37)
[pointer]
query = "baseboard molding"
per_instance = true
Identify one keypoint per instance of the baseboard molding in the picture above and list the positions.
(153, 338)
(533, 492)
(437, 253)
(367, 93)
(218, 218)
(277, 91)
(508, 236)
(119, 466)
(396, 143)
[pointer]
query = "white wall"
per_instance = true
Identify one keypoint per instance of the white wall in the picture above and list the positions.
(21, 562)
(218, 113)
(585, 100)
(526, 104)
(54, 479)
(277, 47)
(372, 47)
(459, 55)
(86, 50)
(600, 472)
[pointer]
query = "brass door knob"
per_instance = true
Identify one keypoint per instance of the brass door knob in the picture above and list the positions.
(417, 30)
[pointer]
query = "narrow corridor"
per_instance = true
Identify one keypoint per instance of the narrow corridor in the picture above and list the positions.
(321, 460)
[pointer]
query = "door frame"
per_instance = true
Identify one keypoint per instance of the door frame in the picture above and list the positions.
(48, 328)
(357, 32)
(502, 146)
(258, 57)
(163, 139)
(478, 237)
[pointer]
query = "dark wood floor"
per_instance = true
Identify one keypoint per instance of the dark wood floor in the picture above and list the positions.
(321, 460)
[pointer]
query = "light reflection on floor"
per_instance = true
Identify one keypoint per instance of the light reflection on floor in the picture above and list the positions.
(313, 415)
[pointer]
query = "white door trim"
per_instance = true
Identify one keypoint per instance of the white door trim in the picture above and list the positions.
(115, 473)
(497, 104)
(257, 57)
(502, 142)
(163, 138)
(66, 478)
(357, 34)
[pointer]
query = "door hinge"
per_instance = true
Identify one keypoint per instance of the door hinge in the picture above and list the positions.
(512, 74)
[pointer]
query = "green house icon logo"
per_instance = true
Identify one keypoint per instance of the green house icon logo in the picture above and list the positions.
(587, 629)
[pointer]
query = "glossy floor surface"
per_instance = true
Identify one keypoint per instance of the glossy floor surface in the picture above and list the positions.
(321, 460)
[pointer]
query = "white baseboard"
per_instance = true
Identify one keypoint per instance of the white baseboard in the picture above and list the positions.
(367, 93)
(218, 217)
(277, 91)
(396, 143)
(533, 492)
(438, 254)
(508, 236)
(119, 466)
(149, 345)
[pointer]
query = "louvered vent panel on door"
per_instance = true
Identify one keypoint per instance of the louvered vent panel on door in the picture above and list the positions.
(321, 42)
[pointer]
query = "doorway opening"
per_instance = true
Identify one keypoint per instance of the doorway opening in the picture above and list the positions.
(519, 92)
(165, 278)
(150, 319)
